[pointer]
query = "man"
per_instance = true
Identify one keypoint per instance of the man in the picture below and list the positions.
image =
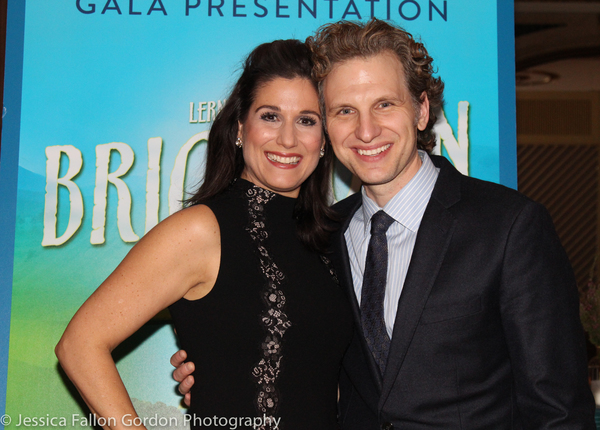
(474, 322)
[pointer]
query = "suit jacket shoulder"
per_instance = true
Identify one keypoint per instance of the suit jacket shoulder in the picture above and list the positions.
(452, 187)
(348, 206)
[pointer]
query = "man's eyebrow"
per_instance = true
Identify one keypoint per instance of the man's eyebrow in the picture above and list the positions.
(336, 106)
(389, 97)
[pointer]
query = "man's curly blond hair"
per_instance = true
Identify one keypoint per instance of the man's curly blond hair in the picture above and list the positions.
(337, 42)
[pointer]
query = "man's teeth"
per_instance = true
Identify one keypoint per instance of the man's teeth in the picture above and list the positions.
(374, 151)
(283, 160)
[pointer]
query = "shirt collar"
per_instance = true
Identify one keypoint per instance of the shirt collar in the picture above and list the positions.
(408, 205)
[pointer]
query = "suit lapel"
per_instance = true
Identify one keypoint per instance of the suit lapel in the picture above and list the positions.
(433, 239)
(340, 255)
(342, 263)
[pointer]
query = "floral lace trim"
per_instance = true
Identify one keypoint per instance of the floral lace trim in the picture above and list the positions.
(273, 318)
(331, 269)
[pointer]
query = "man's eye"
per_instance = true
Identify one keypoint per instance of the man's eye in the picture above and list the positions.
(345, 111)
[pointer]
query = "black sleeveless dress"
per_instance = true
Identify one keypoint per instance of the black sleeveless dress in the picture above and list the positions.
(268, 340)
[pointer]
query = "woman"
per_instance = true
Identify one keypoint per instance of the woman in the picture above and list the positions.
(256, 308)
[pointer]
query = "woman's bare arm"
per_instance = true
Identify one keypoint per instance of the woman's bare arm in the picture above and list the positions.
(178, 258)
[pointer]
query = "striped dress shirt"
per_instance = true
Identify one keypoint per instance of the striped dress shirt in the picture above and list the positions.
(407, 208)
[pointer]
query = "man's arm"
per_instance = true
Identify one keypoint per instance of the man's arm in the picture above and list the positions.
(540, 315)
(183, 374)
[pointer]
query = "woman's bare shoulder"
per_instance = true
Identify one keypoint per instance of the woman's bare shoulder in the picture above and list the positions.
(180, 253)
(190, 227)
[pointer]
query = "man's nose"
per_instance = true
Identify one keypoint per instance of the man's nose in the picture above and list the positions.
(367, 128)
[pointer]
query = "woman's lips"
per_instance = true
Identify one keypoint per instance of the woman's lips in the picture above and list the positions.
(290, 160)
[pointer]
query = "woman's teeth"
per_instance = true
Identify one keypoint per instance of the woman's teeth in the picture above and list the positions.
(283, 160)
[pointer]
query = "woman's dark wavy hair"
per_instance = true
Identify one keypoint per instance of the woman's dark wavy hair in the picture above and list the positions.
(286, 59)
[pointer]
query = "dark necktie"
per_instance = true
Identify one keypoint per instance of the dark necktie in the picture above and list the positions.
(373, 290)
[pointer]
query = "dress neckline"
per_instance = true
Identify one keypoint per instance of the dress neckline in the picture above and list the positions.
(273, 199)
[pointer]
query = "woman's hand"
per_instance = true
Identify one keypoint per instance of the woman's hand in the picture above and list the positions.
(183, 374)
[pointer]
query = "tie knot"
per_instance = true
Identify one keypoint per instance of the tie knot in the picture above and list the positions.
(380, 222)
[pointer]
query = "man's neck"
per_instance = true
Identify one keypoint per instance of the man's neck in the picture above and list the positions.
(383, 193)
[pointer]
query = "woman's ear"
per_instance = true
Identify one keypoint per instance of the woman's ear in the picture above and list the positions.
(240, 130)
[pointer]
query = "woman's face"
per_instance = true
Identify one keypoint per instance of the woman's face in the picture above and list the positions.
(282, 135)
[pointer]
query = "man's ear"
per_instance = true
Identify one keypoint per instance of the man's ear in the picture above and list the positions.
(423, 112)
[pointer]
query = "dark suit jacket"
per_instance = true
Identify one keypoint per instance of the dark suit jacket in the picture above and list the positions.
(487, 334)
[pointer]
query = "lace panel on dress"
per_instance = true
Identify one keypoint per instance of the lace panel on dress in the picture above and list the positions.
(273, 319)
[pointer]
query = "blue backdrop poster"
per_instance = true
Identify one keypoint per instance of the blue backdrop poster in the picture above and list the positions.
(107, 106)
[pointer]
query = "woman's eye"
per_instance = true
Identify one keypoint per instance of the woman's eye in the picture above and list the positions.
(269, 116)
(306, 120)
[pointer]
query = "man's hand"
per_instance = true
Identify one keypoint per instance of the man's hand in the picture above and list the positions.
(183, 374)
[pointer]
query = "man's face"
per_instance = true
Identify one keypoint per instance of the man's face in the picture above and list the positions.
(372, 122)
